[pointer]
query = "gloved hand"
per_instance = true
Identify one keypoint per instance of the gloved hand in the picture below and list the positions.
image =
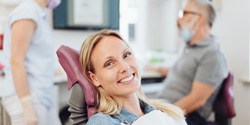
(30, 116)
(14, 108)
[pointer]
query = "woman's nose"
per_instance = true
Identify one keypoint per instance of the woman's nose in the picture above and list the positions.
(124, 66)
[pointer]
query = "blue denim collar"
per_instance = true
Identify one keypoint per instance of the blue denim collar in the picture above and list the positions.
(128, 118)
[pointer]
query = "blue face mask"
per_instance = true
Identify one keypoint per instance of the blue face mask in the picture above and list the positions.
(186, 35)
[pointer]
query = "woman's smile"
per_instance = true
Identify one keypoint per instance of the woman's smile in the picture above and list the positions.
(128, 79)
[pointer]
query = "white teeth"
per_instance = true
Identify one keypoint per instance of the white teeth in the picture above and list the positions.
(127, 78)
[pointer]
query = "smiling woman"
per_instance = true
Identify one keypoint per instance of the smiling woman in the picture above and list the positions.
(111, 66)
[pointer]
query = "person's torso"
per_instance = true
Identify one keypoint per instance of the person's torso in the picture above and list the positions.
(182, 75)
(40, 57)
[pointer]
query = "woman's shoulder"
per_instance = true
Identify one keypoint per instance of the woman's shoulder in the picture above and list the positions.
(99, 118)
(102, 119)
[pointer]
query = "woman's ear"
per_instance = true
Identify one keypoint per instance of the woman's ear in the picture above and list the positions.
(93, 79)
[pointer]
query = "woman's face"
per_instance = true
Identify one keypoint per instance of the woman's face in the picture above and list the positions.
(115, 67)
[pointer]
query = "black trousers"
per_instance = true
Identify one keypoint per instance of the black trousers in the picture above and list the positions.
(195, 119)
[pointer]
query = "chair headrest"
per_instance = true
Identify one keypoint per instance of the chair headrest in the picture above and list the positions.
(69, 60)
(224, 103)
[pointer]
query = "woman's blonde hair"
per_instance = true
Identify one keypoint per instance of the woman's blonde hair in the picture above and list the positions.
(110, 104)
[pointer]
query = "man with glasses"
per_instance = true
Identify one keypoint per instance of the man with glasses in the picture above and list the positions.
(193, 82)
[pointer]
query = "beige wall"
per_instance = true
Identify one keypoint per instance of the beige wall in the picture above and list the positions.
(232, 27)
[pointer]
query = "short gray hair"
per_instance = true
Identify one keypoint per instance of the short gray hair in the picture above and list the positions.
(208, 9)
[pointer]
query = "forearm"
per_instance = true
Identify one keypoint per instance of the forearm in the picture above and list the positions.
(163, 71)
(196, 98)
(20, 78)
(189, 104)
(19, 47)
(29, 115)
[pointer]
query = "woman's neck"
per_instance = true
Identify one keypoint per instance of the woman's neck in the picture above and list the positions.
(132, 104)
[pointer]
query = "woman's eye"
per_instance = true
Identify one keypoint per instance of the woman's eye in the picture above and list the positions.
(108, 64)
(127, 54)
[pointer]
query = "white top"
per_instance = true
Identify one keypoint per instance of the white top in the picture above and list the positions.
(157, 117)
(40, 58)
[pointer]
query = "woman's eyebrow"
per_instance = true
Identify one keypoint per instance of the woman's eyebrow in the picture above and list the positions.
(110, 57)
(126, 49)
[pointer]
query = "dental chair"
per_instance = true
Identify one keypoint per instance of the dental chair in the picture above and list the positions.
(223, 107)
(80, 85)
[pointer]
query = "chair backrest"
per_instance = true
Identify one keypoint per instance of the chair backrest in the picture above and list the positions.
(69, 60)
(224, 103)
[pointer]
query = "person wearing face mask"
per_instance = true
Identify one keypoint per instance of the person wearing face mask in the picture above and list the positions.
(194, 80)
(29, 59)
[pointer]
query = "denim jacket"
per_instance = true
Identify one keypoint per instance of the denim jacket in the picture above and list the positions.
(125, 117)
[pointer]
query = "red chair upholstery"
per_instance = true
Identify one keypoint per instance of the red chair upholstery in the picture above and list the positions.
(69, 60)
(1, 41)
(224, 103)
(1, 67)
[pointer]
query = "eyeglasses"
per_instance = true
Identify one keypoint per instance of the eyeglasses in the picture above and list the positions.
(181, 13)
